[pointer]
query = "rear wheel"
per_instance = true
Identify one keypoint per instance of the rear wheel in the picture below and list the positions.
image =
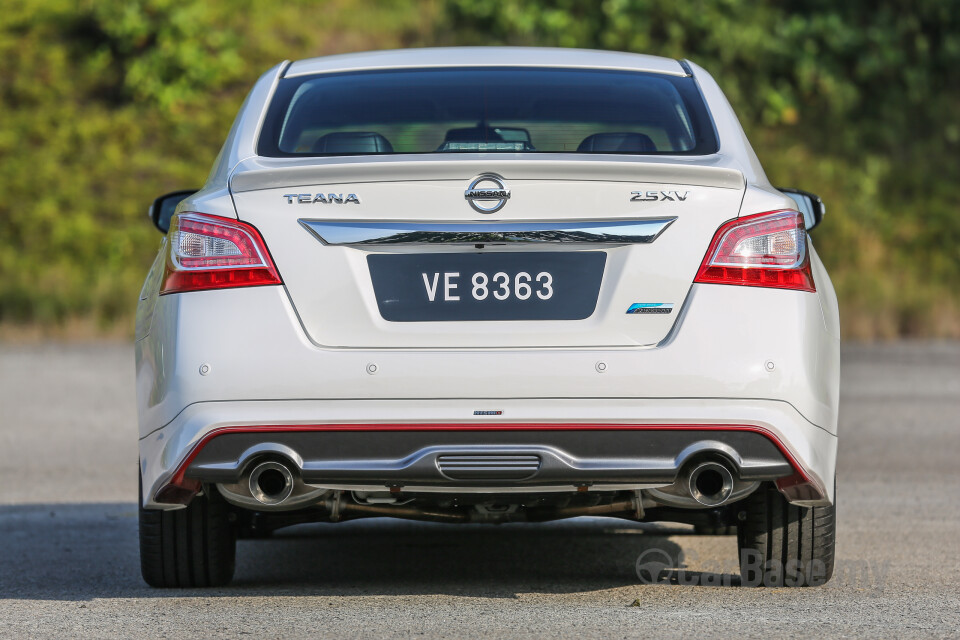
(191, 547)
(783, 545)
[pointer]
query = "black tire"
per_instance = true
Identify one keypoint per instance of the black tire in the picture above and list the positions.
(783, 545)
(191, 547)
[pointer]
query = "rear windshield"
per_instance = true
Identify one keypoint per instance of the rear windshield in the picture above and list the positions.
(487, 110)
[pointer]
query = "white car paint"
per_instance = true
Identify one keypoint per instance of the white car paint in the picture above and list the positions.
(301, 353)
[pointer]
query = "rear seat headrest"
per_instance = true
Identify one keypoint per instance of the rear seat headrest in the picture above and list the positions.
(617, 143)
(346, 142)
(473, 134)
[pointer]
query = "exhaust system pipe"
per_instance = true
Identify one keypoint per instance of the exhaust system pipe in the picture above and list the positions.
(710, 483)
(271, 483)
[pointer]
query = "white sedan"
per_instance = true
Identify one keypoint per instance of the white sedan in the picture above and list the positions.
(484, 285)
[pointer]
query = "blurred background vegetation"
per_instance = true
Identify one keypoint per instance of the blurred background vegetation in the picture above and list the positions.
(106, 104)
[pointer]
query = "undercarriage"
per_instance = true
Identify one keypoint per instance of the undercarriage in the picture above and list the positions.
(342, 506)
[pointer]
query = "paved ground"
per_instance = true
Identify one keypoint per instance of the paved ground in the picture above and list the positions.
(68, 556)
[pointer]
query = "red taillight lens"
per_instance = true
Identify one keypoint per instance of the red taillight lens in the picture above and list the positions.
(762, 250)
(209, 252)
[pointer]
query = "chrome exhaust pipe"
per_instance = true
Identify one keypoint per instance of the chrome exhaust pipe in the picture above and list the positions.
(271, 483)
(710, 483)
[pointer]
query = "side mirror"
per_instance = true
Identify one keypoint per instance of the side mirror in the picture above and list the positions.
(163, 207)
(809, 204)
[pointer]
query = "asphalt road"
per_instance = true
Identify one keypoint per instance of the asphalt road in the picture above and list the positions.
(68, 535)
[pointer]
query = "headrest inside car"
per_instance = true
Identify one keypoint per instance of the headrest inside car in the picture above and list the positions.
(617, 143)
(473, 134)
(347, 142)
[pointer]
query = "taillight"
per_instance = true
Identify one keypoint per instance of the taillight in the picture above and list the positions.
(209, 252)
(762, 250)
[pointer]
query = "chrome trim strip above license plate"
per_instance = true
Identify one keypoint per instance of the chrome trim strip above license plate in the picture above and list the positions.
(332, 232)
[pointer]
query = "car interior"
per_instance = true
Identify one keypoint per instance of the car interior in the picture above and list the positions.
(480, 138)
(486, 110)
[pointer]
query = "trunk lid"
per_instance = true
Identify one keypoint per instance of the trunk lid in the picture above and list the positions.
(394, 199)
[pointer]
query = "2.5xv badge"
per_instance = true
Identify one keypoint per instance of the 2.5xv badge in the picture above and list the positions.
(658, 196)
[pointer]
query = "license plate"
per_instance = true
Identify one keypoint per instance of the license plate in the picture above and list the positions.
(435, 287)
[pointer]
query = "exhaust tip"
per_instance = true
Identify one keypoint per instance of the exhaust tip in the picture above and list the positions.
(710, 484)
(271, 483)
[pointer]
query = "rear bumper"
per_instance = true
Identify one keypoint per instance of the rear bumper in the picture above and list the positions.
(728, 342)
(738, 358)
(514, 457)
(433, 447)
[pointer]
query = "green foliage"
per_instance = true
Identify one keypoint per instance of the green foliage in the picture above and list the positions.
(105, 104)
(893, 65)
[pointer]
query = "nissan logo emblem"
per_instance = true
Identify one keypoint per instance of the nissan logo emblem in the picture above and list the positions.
(487, 193)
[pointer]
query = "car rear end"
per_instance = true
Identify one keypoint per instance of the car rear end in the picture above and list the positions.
(466, 289)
